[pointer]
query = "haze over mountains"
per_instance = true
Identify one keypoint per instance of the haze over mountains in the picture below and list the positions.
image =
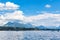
(16, 23)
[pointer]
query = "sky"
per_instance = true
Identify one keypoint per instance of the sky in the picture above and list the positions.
(34, 7)
(36, 12)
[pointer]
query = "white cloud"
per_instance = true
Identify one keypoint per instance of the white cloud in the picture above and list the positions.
(45, 19)
(16, 15)
(1, 4)
(2, 22)
(8, 6)
(48, 6)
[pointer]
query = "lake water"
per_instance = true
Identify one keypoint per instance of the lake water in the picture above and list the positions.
(29, 35)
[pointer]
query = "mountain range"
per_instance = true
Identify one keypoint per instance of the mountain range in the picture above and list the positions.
(17, 23)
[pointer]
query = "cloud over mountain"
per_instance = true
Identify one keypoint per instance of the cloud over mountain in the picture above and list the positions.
(45, 19)
(7, 16)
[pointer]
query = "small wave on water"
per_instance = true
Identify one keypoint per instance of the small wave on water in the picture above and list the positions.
(29, 35)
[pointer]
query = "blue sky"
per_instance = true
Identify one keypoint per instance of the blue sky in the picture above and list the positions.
(34, 7)
(39, 12)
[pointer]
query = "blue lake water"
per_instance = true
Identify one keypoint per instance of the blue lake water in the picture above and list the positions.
(29, 35)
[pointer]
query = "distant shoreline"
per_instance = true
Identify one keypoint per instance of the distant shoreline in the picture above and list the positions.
(25, 29)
